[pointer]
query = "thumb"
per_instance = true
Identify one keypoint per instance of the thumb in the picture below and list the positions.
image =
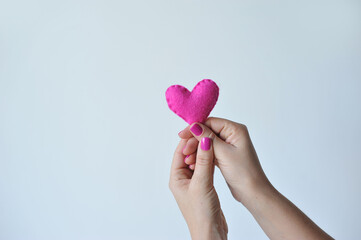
(203, 172)
(199, 131)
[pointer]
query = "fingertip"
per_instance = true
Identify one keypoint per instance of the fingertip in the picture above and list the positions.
(185, 159)
(196, 129)
(190, 159)
(192, 167)
(206, 143)
(185, 133)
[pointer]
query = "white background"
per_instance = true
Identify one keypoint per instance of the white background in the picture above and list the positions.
(86, 137)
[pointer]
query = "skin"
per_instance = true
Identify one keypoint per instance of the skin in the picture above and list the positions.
(233, 153)
(196, 195)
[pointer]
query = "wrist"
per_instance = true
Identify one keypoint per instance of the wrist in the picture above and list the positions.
(208, 231)
(258, 195)
(249, 188)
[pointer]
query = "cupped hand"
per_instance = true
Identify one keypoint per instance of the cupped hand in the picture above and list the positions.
(195, 193)
(234, 154)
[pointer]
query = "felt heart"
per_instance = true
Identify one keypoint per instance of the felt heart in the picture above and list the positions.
(193, 106)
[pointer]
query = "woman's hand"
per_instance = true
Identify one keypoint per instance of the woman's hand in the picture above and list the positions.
(234, 154)
(237, 159)
(195, 193)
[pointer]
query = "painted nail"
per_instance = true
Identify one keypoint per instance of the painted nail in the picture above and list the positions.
(196, 129)
(206, 143)
(186, 158)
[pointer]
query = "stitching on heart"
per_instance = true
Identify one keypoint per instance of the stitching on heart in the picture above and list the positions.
(185, 89)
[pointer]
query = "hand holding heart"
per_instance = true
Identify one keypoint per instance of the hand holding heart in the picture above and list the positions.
(233, 152)
(226, 144)
(194, 191)
(233, 149)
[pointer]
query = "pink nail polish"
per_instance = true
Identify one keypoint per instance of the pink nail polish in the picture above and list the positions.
(196, 129)
(206, 143)
(186, 158)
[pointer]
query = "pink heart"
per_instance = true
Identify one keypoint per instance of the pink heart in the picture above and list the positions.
(193, 106)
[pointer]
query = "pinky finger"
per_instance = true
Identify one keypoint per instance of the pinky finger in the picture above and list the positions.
(190, 159)
(192, 166)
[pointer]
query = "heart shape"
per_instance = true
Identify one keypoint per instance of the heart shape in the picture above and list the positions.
(193, 106)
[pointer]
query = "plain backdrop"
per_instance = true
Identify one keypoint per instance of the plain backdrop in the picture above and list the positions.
(86, 136)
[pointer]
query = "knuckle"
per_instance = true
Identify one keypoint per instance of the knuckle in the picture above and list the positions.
(210, 119)
(203, 160)
(242, 129)
(242, 136)
(212, 135)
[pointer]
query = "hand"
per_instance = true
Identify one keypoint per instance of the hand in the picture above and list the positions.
(234, 154)
(195, 193)
(237, 159)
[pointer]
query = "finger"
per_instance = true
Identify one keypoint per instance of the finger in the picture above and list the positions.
(185, 133)
(192, 167)
(225, 129)
(179, 169)
(191, 147)
(225, 225)
(190, 159)
(204, 167)
(200, 131)
(178, 156)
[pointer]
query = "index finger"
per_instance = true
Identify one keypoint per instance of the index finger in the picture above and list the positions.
(179, 169)
(185, 133)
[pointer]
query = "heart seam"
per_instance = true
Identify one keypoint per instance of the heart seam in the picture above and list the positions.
(184, 88)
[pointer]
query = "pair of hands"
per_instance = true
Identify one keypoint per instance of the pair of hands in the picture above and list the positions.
(227, 145)
(230, 148)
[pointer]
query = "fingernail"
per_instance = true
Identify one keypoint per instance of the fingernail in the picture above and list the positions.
(186, 158)
(196, 129)
(206, 143)
(180, 132)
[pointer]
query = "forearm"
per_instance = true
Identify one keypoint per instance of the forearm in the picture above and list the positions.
(208, 231)
(278, 217)
(209, 234)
